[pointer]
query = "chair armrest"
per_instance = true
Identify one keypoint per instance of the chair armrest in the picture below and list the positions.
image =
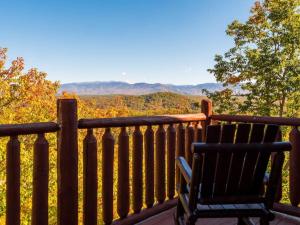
(184, 168)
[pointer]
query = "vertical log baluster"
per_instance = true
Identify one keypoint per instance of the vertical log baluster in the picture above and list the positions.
(90, 179)
(40, 181)
(137, 170)
(171, 145)
(123, 174)
(160, 187)
(198, 132)
(13, 182)
(149, 166)
(206, 108)
(107, 175)
(189, 138)
(295, 167)
(180, 145)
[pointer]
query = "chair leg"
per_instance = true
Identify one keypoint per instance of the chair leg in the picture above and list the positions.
(245, 221)
(190, 222)
(241, 221)
(264, 221)
(179, 214)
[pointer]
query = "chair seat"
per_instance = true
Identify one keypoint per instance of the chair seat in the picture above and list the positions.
(231, 210)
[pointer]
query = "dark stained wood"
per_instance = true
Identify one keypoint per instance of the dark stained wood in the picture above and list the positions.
(40, 181)
(160, 150)
(171, 146)
(198, 132)
(123, 201)
(107, 175)
(149, 166)
(287, 209)
(212, 204)
(206, 109)
(222, 169)
(180, 145)
(278, 195)
(166, 218)
(243, 147)
(237, 160)
(139, 120)
(274, 178)
(195, 180)
(13, 181)
(137, 170)
(27, 128)
(295, 167)
(147, 213)
(256, 136)
(67, 155)
(185, 169)
(90, 179)
(189, 139)
(258, 119)
(263, 159)
(210, 160)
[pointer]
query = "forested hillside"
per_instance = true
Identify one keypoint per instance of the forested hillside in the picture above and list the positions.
(161, 102)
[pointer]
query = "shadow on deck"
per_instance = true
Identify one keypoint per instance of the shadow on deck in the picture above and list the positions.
(166, 218)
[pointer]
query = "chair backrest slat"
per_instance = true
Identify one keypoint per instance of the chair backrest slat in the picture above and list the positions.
(256, 136)
(223, 161)
(237, 159)
(263, 159)
(210, 160)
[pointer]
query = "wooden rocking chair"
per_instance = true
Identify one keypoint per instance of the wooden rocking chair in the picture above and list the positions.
(228, 174)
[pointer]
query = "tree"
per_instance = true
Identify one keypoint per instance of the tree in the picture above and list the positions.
(25, 96)
(265, 60)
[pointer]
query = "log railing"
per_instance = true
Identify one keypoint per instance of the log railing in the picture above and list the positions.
(153, 148)
(294, 157)
(40, 170)
(141, 149)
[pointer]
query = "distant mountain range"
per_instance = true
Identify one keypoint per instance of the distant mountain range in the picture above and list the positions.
(123, 88)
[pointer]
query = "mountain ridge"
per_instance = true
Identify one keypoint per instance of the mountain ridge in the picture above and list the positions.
(124, 88)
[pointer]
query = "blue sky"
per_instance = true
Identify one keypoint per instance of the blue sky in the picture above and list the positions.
(166, 41)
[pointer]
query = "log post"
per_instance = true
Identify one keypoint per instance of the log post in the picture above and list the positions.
(137, 170)
(123, 174)
(295, 167)
(189, 138)
(108, 143)
(13, 182)
(206, 108)
(180, 145)
(90, 179)
(160, 184)
(149, 166)
(40, 181)
(67, 157)
(198, 132)
(171, 145)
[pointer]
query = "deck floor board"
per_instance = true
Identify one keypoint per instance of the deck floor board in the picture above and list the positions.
(166, 218)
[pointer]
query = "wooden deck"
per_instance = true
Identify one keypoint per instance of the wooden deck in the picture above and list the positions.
(166, 218)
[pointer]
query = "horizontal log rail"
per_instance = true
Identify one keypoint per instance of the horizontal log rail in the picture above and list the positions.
(28, 128)
(139, 121)
(258, 119)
